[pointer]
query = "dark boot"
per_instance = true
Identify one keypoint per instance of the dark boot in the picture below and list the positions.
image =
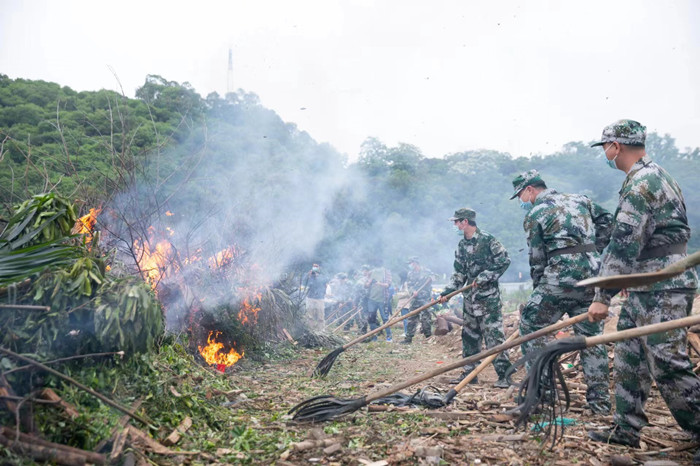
(461, 377)
(407, 341)
(502, 382)
(600, 407)
(615, 435)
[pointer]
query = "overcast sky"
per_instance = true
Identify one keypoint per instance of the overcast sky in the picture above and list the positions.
(517, 76)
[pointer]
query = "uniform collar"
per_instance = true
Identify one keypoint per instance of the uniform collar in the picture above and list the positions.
(638, 165)
(544, 194)
(475, 237)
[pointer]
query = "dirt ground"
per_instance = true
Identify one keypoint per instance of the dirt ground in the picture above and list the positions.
(475, 429)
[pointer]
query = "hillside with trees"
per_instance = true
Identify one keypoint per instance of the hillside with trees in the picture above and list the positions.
(233, 165)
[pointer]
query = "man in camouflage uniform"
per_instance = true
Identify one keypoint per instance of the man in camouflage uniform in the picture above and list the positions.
(650, 231)
(418, 282)
(360, 294)
(565, 233)
(377, 284)
(479, 259)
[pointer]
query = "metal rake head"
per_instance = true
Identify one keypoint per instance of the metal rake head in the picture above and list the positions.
(539, 391)
(324, 407)
(423, 397)
(324, 367)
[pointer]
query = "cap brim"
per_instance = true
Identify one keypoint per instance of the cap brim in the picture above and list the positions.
(515, 194)
(598, 144)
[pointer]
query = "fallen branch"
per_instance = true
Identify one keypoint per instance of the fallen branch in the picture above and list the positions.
(25, 307)
(43, 450)
(175, 436)
(310, 444)
(142, 439)
(120, 426)
(50, 395)
(69, 358)
(288, 336)
(497, 437)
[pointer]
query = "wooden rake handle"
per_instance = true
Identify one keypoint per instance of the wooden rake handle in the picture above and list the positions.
(642, 279)
(477, 357)
(335, 330)
(393, 320)
(643, 331)
(339, 318)
(472, 375)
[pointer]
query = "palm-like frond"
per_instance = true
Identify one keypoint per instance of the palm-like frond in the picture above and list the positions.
(18, 264)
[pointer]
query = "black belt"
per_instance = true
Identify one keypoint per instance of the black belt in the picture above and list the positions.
(663, 251)
(572, 250)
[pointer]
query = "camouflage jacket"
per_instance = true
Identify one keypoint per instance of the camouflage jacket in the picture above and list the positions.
(481, 258)
(359, 291)
(651, 212)
(559, 220)
(416, 279)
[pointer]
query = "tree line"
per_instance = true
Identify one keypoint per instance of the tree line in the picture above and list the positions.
(255, 180)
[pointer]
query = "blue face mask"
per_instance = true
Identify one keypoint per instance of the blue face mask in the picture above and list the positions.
(611, 163)
(526, 206)
(457, 230)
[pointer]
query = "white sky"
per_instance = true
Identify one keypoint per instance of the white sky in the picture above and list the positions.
(518, 76)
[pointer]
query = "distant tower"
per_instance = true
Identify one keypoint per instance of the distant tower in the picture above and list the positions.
(229, 76)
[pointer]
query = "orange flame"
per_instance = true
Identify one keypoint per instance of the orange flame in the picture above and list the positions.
(250, 308)
(86, 224)
(153, 262)
(212, 355)
(222, 258)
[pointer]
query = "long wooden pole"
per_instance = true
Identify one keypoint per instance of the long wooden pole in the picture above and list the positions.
(477, 357)
(396, 320)
(472, 375)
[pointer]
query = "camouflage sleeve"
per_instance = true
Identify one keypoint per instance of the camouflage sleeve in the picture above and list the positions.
(499, 263)
(627, 239)
(537, 251)
(459, 276)
(603, 226)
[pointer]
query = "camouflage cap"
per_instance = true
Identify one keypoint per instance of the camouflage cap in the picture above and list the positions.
(413, 259)
(524, 180)
(463, 214)
(341, 275)
(629, 132)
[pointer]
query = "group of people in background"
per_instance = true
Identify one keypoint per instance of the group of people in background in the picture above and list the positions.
(571, 238)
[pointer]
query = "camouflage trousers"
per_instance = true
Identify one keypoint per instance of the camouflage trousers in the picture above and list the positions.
(483, 320)
(425, 318)
(546, 305)
(661, 357)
